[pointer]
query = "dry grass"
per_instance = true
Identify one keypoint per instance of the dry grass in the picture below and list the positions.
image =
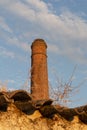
(3, 87)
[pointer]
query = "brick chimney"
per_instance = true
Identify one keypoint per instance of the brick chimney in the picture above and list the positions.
(39, 72)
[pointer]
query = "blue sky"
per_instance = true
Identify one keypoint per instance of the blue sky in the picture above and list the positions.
(62, 24)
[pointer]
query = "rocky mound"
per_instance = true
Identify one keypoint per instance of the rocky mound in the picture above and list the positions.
(19, 111)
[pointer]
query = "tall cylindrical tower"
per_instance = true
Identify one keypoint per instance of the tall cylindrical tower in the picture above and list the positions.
(39, 72)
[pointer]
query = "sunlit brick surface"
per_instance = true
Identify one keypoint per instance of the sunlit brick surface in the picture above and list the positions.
(39, 73)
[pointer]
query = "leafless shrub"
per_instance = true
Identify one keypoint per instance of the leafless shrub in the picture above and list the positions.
(63, 92)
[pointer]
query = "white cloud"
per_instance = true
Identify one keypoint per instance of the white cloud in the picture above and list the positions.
(15, 41)
(38, 5)
(54, 49)
(76, 27)
(10, 81)
(65, 24)
(10, 54)
(66, 32)
(4, 52)
(4, 25)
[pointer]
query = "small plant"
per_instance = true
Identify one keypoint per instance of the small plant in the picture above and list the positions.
(62, 93)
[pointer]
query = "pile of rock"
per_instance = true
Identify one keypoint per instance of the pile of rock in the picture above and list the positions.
(24, 102)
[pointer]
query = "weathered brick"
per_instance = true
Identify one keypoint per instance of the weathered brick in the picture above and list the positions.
(39, 72)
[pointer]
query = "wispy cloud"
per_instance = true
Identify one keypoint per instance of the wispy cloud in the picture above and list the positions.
(65, 24)
(16, 42)
(10, 81)
(4, 26)
(4, 52)
(38, 5)
(54, 49)
(66, 32)
(10, 54)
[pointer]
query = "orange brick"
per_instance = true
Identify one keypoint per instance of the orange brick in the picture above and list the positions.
(39, 72)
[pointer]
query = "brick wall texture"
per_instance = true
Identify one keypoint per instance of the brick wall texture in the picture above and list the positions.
(39, 72)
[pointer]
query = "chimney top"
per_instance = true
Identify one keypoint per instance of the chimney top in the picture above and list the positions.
(39, 42)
